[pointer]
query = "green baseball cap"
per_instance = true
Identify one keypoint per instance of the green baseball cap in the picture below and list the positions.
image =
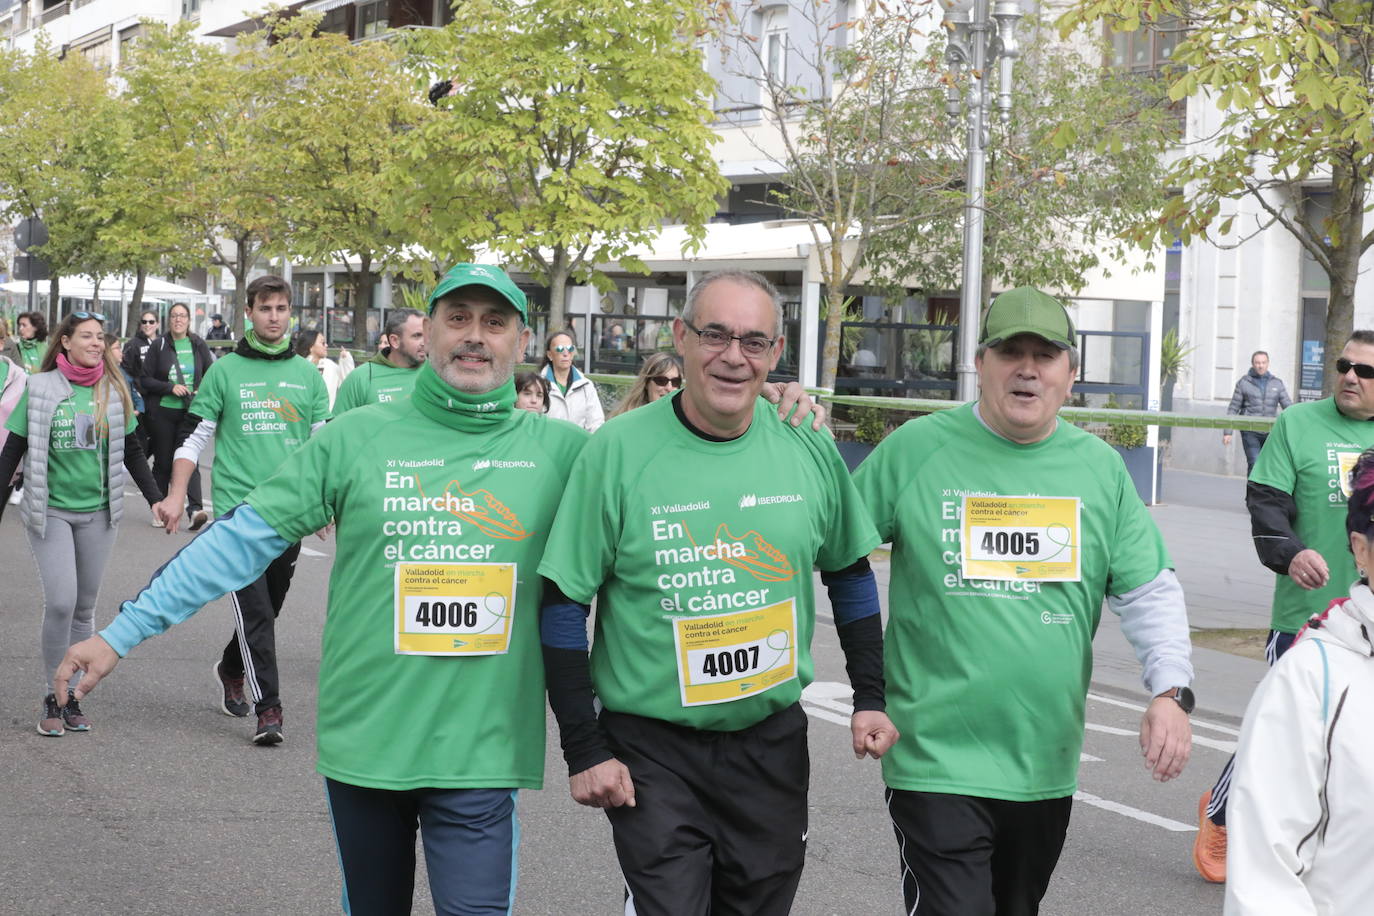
(493, 278)
(1026, 310)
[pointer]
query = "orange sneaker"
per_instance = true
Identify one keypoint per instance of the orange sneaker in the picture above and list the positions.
(1209, 849)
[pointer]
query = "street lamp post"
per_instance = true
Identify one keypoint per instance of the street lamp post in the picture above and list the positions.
(976, 41)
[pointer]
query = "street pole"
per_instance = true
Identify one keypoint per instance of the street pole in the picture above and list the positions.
(977, 40)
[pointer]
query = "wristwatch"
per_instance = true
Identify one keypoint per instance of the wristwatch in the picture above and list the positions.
(1183, 696)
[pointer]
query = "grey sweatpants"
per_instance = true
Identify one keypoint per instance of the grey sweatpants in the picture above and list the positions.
(71, 559)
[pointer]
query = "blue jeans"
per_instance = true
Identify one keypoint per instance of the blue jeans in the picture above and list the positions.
(1252, 443)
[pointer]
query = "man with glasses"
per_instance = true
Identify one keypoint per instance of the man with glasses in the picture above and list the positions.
(390, 374)
(1296, 496)
(696, 522)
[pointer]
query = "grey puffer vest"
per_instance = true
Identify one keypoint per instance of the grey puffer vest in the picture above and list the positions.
(46, 391)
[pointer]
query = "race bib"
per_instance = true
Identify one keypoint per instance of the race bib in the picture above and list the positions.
(454, 608)
(1346, 462)
(729, 657)
(1021, 538)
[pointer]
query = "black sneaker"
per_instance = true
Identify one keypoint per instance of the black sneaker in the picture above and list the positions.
(269, 727)
(51, 724)
(232, 701)
(72, 716)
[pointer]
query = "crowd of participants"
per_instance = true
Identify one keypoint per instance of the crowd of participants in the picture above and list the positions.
(682, 719)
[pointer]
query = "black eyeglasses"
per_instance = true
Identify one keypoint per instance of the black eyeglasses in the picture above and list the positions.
(663, 381)
(753, 345)
(85, 316)
(148, 321)
(1363, 370)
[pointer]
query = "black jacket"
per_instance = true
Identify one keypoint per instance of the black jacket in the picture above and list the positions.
(132, 361)
(159, 376)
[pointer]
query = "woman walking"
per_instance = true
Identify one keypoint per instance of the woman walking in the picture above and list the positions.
(26, 348)
(71, 430)
(173, 366)
(310, 344)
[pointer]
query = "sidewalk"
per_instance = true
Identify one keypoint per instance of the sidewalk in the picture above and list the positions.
(1207, 531)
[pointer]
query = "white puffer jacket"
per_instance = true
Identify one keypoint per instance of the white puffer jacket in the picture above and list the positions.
(1300, 818)
(581, 404)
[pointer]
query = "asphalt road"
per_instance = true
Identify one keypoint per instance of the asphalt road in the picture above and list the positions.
(165, 807)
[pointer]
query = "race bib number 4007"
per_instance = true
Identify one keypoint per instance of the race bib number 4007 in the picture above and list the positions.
(454, 608)
(732, 656)
(1021, 537)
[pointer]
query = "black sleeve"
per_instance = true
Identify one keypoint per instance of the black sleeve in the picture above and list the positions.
(189, 422)
(10, 456)
(1272, 512)
(862, 643)
(136, 463)
(154, 387)
(568, 678)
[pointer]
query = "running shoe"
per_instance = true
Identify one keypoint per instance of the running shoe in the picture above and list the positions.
(198, 519)
(51, 723)
(73, 717)
(269, 727)
(1209, 849)
(16, 496)
(232, 701)
(157, 521)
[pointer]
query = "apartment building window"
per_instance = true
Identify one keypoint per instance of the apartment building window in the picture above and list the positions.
(127, 39)
(1149, 49)
(775, 49)
(336, 20)
(190, 9)
(373, 18)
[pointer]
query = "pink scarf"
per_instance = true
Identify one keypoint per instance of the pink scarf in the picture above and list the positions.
(80, 375)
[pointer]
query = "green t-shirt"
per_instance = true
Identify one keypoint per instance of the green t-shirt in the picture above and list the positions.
(374, 383)
(78, 477)
(31, 354)
(405, 488)
(986, 678)
(264, 409)
(1309, 454)
(700, 555)
(186, 357)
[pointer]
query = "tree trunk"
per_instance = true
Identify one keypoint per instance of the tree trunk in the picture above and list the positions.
(834, 310)
(244, 256)
(1347, 214)
(558, 296)
(135, 308)
(54, 301)
(363, 284)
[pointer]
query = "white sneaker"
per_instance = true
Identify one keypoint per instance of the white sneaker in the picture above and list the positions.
(16, 496)
(157, 522)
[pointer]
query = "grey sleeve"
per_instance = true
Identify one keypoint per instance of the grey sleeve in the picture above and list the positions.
(1284, 400)
(1237, 399)
(1154, 620)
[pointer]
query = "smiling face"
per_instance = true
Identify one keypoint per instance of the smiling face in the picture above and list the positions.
(721, 386)
(270, 315)
(1355, 395)
(147, 323)
(1024, 382)
(317, 349)
(86, 345)
(654, 390)
(475, 339)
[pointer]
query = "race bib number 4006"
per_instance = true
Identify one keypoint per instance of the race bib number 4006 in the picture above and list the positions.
(454, 608)
(732, 656)
(1021, 537)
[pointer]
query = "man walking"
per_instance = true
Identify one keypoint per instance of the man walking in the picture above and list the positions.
(1008, 530)
(1297, 496)
(259, 404)
(697, 521)
(391, 373)
(218, 329)
(1259, 393)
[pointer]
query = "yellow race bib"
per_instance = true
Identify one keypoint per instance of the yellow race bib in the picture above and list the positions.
(454, 608)
(1021, 538)
(727, 657)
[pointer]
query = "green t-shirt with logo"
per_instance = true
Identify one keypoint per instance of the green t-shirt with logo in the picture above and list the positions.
(31, 354)
(408, 491)
(1309, 454)
(264, 409)
(186, 358)
(700, 555)
(374, 383)
(78, 473)
(986, 677)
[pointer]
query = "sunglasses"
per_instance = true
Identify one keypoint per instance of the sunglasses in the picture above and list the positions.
(86, 316)
(148, 321)
(1363, 370)
(663, 381)
(564, 348)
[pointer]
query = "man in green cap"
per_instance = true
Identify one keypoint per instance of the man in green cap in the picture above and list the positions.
(390, 374)
(431, 691)
(1008, 529)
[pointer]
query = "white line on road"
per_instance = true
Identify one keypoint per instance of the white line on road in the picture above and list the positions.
(1197, 723)
(1128, 811)
(1227, 746)
(312, 553)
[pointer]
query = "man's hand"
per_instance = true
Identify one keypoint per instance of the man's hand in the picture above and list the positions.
(873, 733)
(92, 656)
(1166, 738)
(606, 785)
(1226, 439)
(1308, 570)
(792, 393)
(169, 510)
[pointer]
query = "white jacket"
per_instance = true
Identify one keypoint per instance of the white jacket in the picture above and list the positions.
(1300, 818)
(582, 403)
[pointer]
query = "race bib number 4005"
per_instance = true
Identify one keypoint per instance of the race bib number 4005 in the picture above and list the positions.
(1021, 537)
(454, 608)
(732, 656)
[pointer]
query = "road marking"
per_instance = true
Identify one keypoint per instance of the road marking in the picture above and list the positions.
(1088, 758)
(1227, 746)
(1197, 723)
(1136, 813)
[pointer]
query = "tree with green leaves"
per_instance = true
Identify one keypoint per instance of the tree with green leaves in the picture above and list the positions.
(575, 129)
(1076, 167)
(340, 113)
(1288, 95)
(847, 125)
